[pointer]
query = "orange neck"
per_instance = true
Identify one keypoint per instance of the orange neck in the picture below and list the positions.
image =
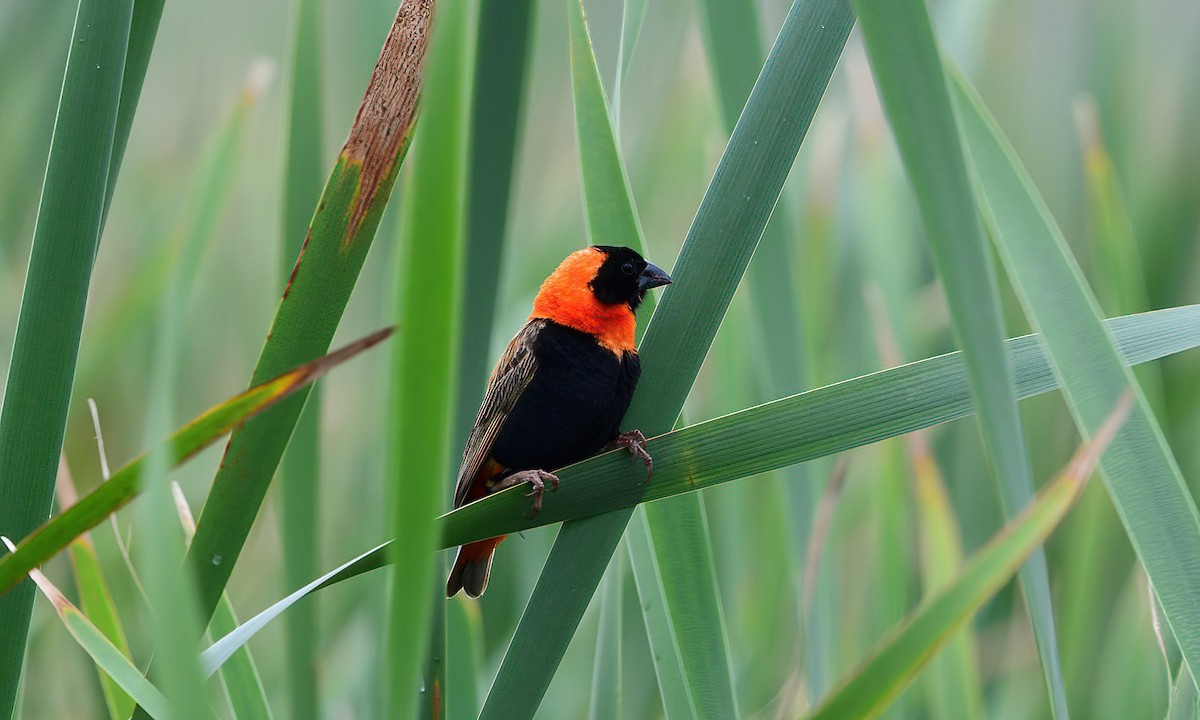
(566, 299)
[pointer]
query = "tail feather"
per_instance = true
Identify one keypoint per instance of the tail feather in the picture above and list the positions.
(472, 567)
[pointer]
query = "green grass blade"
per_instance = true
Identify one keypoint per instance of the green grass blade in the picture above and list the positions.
(243, 685)
(688, 576)
(95, 598)
(608, 201)
(1121, 284)
(98, 606)
(734, 45)
(70, 214)
(300, 468)
(107, 656)
(679, 534)
(201, 432)
(433, 670)
(668, 667)
(606, 671)
(799, 428)
(1185, 701)
(1121, 281)
(912, 86)
(714, 257)
(954, 686)
(867, 692)
(143, 30)
(215, 655)
(803, 427)
(171, 594)
(735, 50)
(1141, 474)
(501, 50)
(464, 633)
(633, 17)
(424, 360)
(333, 254)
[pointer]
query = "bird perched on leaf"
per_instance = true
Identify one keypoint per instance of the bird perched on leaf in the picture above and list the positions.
(560, 390)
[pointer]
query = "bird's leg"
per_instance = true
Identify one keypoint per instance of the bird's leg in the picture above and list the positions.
(537, 478)
(635, 442)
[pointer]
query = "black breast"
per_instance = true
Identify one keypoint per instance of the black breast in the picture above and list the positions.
(573, 406)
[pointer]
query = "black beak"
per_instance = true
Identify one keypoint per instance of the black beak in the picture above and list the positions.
(652, 277)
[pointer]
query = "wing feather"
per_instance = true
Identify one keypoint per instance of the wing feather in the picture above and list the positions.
(510, 378)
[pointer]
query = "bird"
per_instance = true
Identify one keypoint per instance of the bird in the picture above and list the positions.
(559, 392)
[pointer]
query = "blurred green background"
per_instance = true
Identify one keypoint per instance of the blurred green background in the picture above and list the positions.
(1071, 83)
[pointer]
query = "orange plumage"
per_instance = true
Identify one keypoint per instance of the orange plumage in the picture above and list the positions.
(567, 299)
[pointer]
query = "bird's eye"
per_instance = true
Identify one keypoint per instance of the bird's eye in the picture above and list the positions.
(628, 268)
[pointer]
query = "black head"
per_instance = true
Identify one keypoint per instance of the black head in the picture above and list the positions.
(624, 277)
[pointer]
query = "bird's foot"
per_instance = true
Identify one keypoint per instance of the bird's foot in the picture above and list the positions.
(538, 479)
(635, 442)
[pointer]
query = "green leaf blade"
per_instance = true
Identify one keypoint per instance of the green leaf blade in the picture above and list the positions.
(125, 483)
(424, 360)
(300, 469)
(66, 238)
(320, 286)
(714, 257)
(682, 536)
(912, 86)
(800, 428)
(1142, 476)
(867, 692)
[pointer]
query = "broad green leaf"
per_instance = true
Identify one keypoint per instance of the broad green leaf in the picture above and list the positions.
(201, 432)
(65, 241)
(424, 359)
(867, 691)
(1140, 472)
(912, 87)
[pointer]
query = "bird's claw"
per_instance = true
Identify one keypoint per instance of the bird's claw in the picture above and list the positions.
(537, 479)
(635, 442)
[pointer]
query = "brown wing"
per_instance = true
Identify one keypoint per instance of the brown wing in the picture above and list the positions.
(510, 378)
